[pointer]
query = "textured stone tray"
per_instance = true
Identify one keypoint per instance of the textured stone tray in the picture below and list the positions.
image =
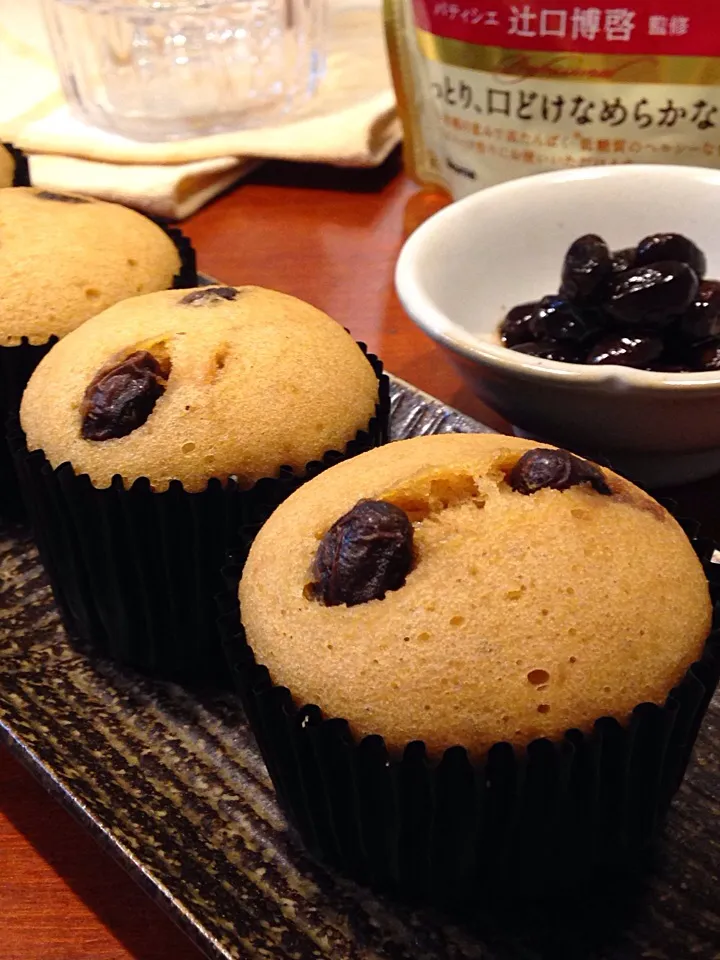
(173, 787)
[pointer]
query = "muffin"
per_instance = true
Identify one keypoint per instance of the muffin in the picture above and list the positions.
(63, 259)
(177, 417)
(526, 632)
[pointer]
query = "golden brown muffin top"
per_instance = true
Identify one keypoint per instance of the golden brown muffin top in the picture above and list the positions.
(523, 615)
(7, 167)
(65, 258)
(245, 380)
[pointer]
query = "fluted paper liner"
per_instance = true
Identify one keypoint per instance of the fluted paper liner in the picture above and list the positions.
(16, 367)
(17, 364)
(187, 276)
(523, 822)
(136, 573)
(21, 177)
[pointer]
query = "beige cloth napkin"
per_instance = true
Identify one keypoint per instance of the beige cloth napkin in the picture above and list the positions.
(351, 122)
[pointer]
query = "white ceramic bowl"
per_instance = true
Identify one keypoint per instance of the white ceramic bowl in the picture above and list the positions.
(461, 271)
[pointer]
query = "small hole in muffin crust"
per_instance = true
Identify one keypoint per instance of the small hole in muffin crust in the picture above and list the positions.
(92, 293)
(423, 637)
(132, 262)
(449, 490)
(572, 659)
(538, 677)
(457, 620)
(425, 499)
(220, 358)
(188, 447)
(543, 708)
(606, 689)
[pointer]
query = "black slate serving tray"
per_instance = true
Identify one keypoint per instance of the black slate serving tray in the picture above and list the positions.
(172, 785)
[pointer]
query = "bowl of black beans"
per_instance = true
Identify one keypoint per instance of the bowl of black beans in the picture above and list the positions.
(584, 307)
(649, 306)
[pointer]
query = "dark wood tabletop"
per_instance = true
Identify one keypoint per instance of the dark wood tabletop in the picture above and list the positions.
(332, 238)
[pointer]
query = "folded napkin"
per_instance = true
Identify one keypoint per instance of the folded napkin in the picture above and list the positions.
(352, 121)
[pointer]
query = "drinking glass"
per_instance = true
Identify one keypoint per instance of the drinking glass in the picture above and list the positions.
(173, 69)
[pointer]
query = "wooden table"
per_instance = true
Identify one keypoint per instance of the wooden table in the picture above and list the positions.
(330, 237)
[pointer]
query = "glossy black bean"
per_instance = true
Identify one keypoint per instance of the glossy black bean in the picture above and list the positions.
(676, 352)
(652, 295)
(628, 350)
(548, 350)
(664, 247)
(701, 320)
(544, 468)
(623, 260)
(515, 328)
(705, 356)
(121, 397)
(586, 266)
(366, 553)
(555, 318)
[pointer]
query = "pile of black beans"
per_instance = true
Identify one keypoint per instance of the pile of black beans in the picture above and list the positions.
(648, 306)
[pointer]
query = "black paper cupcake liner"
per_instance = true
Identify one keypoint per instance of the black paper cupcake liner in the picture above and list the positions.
(136, 573)
(522, 823)
(17, 364)
(187, 276)
(21, 177)
(16, 367)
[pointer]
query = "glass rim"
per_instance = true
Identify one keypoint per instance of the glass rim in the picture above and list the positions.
(162, 6)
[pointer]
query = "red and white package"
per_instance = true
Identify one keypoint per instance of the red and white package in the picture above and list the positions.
(490, 90)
